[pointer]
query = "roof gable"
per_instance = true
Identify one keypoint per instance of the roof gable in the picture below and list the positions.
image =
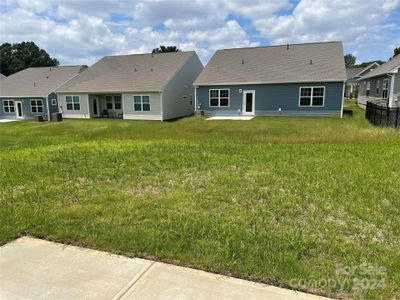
(385, 68)
(38, 81)
(128, 73)
(314, 62)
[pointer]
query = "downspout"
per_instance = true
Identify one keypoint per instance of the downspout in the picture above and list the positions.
(162, 106)
(195, 98)
(341, 111)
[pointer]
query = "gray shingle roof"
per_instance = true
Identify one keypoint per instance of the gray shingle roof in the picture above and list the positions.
(384, 68)
(37, 82)
(351, 72)
(2, 76)
(276, 64)
(129, 73)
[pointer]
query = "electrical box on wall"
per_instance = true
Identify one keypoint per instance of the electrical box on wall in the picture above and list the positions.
(240, 91)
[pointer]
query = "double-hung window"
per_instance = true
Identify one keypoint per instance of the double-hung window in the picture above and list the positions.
(377, 87)
(37, 106)
(8, 106)
(219, 98)
(312, 96)
(73, 103)
(368, 88)
(113, 102)
(385, 88)
(141, 103)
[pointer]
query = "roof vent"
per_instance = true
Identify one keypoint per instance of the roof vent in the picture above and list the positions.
(34, 83)
(50, 68)
(310, 61)
(135, 70)
(242, 61)
(287, 47)
(47, 77)
(151, 70)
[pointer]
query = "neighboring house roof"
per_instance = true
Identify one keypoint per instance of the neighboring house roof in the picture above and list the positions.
(2, 76)
(353, 72)
(387, 67)
(313, 62)
(128, 73)
(38, 81)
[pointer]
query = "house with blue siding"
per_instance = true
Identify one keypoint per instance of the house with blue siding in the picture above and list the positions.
(149, 86)
(292, 79)
(31, 92)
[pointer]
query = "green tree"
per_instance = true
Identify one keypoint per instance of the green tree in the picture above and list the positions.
(165, 49)
(19, 56)
(396, 51)
(349, 60)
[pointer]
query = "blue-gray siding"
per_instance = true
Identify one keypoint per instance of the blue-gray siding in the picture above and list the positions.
(270, 97)
(26, 108)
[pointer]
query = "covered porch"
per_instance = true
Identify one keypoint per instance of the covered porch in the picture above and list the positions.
(105, 106)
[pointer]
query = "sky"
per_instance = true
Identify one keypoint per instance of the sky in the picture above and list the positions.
(83, 31)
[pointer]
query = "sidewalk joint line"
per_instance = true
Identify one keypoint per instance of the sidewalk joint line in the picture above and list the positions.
(129, 286)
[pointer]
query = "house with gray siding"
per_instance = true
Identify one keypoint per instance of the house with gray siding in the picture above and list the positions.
(353, 74)
(295, 79)
(148, 86)
(381, 85)
(30, 92)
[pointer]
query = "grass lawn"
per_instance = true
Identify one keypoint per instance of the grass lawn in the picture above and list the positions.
(276, 199)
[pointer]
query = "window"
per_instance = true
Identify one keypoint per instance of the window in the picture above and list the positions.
(385, 89)
(53, 101)
(377, 87)
(109, 102)
(8, 106)
(368, 88)
(73, 103)
(141, 103)
(312, 96)
(117, 102)
(36, 106)
(219, 98)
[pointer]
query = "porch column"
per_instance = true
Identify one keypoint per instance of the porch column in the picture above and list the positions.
(391, 92)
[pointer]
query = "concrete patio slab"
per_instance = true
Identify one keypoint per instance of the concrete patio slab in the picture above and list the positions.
(237, 118)
(7, 120)
(36, 269)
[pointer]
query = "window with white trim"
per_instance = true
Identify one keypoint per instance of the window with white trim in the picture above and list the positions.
(377, 87)
(219, 98)
(37, 106)
(8, 106)
(368, 88)
(385, 86)
(117, 102)
(312, 96)
(73, 103)
(141, 103)
(109, 102)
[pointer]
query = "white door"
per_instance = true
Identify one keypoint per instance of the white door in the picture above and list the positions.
(18, 109)
(249, 98)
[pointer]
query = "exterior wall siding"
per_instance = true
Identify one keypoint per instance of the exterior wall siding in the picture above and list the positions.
(26, 108)
(396, 90)
(155, 107)
(84, 106)
(373, 95)
(53, 108)
(178, 95)
(269, 98)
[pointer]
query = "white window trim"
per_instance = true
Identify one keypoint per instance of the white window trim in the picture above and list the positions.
(113, 102)
(37, 106)
(73, 107)
(312, 96)
(8, 105)
(219, 98)
(141, 103)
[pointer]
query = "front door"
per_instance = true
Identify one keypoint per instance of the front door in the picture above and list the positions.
(248, 102)
(19, 111)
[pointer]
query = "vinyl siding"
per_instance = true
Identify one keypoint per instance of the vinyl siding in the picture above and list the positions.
(270, 97)
(84, 106)
(362, 93)
(26, 108)
(175, 105)
(155, 107)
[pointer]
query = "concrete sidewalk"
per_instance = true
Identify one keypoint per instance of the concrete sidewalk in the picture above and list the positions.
(36, 269)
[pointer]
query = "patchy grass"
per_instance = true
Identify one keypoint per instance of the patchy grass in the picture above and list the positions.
(276, 199)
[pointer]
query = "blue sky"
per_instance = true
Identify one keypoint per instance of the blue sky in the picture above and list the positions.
(82, 31)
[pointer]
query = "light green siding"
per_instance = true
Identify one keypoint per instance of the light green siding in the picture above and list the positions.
(84, 106)
(155, 107)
